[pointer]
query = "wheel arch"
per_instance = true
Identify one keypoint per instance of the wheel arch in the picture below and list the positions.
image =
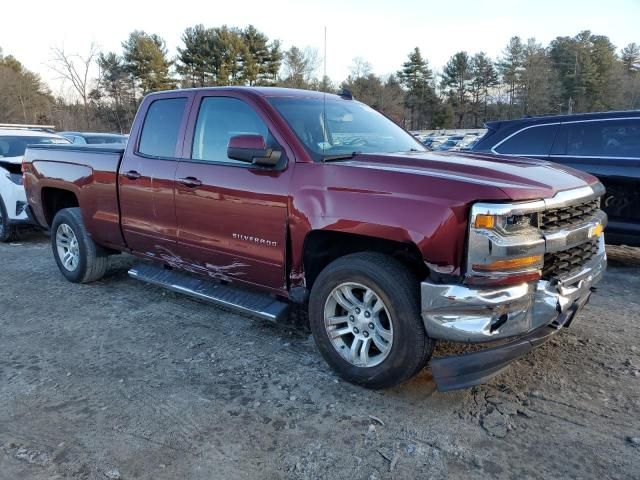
(321, 247)
(54, 199)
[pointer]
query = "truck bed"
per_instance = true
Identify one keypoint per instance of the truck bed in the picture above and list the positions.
(89, 172)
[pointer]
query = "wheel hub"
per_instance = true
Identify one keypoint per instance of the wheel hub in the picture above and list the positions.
(358, 324)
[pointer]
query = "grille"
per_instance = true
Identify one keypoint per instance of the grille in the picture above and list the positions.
(566, 216)
(559, 264)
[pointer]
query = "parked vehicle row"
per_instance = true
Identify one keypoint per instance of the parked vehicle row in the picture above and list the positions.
(454, 142)
(260, 198)
(92, 138)
(13, 142)
(13, 201)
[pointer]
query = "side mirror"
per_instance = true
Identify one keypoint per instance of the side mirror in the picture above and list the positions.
(252, 149)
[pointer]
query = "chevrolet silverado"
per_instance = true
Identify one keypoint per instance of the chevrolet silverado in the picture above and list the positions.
(258, 199)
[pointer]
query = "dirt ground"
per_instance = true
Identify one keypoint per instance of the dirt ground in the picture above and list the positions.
(119, 379)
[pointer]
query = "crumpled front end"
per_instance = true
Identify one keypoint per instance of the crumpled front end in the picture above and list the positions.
(469, 314)
(530, 266)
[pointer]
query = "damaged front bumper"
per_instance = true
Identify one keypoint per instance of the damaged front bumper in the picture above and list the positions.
(531, 312)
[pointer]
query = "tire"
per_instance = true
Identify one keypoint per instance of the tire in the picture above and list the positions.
(405, 347)
(91, 260)
(8, 233)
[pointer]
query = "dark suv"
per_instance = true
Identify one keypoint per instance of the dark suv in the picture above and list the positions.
(606, 145)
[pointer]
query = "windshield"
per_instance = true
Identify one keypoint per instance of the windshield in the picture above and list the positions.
(15, 146)
(342, 127)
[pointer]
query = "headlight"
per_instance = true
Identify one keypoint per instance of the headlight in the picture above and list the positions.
(505, 244)
(507, 224)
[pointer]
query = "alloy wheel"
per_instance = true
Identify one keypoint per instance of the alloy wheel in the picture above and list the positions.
(358, 324)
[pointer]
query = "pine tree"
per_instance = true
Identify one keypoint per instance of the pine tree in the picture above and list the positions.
(299, 67)
(457, 83)
(113, 95)
(195, 61)
(484, 78)
(145, 57)
(540, 87)
(631, 58)
(510, 67)
(416, 77)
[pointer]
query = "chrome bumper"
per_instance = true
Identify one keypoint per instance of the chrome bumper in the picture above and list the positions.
(470, 314)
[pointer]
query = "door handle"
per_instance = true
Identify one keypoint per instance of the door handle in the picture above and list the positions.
(190, 182)
(132, 175)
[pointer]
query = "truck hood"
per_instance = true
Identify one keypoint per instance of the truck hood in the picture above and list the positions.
(518, 178)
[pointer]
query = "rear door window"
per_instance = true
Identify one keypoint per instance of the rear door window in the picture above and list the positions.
(161, 128)
(535, 140)
(611, 138)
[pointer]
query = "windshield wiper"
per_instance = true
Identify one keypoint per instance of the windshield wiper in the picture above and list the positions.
(342, 156)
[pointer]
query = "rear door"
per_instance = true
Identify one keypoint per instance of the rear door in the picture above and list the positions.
(231, 216)
(610, 150)
(147, 176)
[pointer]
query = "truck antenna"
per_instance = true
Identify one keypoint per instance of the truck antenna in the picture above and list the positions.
(324, 96)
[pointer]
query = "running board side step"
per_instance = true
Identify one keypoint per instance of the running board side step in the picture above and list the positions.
(242, 301)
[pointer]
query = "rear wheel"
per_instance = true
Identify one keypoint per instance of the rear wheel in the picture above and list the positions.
(79, 259)
(364, 312)
(8, 233)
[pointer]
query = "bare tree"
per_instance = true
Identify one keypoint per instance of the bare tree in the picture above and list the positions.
(76, 69)
(360, 68)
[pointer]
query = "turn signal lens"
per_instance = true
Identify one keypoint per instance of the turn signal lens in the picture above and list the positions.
(485, 221)
(510, 264)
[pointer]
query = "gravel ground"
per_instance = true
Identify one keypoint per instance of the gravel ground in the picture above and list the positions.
(118, 379)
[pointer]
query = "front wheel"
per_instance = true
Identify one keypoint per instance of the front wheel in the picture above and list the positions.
(364, 312)
(79, 259)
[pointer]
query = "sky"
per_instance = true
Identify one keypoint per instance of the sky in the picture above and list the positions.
(381, 32)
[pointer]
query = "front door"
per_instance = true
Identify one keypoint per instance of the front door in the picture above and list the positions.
(147, 178)
(231, 216)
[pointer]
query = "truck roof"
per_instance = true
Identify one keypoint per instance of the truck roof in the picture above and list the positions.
(261, 91)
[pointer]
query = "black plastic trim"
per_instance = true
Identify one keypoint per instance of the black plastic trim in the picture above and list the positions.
(463, 371)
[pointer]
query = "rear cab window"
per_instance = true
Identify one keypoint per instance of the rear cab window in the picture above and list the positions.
(161, 128)
(534, 140)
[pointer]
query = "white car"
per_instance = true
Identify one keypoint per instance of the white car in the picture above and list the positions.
(13, 201)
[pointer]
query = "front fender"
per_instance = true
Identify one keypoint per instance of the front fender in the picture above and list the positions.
(435, 225)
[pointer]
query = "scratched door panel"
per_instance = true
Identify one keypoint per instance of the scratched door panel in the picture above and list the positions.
(233, 226)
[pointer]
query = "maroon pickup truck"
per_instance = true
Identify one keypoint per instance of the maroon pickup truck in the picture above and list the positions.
(261, 198)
